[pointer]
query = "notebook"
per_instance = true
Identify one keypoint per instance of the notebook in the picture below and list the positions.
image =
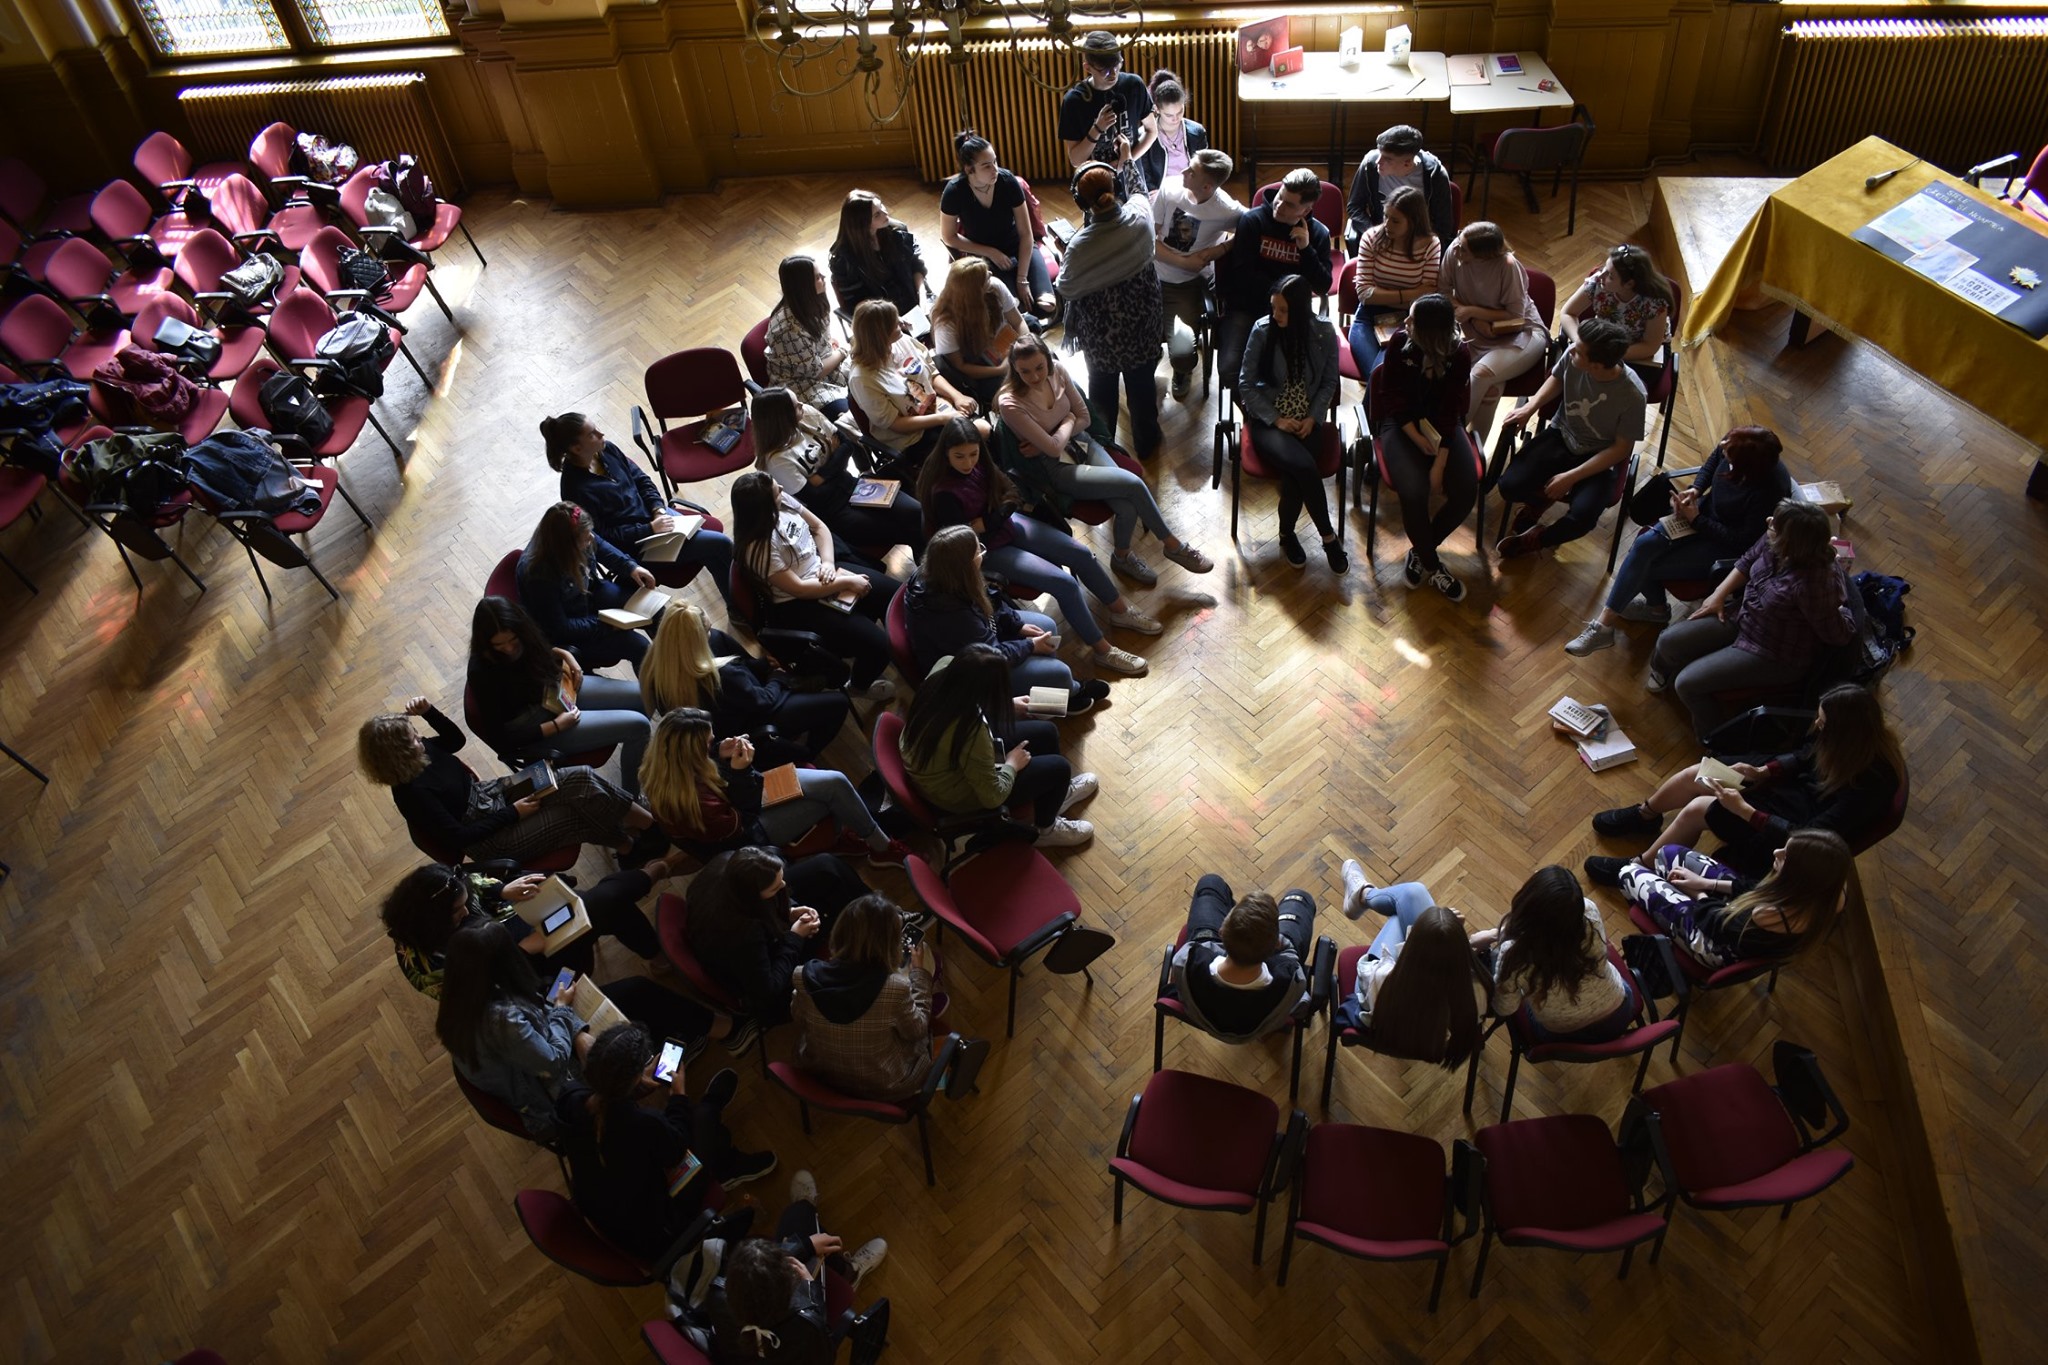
(639, 610)
(534, 777)
(779, 785)
(1675, 527)
(1611, 750)
(557, 912)
(843, 602)
(591, 1004)
(875, 493)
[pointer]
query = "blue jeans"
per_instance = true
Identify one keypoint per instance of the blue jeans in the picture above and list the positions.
(1654, 559)
(611, 713)
(1102, 479)
(1543, 458)
(1038, 557)
(1040, 670)
(1403, 904)
(825, 793)
(1365, 342)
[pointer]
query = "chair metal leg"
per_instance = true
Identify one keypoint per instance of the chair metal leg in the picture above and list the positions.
(261, 581)
(1259, 1234)
(342, 489)
(1116, 1215)
(1642, 1070)
(431, 289)
(1479, 1270)
(1372, 523)
(396, 454)
(129, 565)
(1507, 1098)
(1614, 546)
(1286, 1251)
(1329, 1064)
(1472, 1073)
(1294, 1078)
(1236, 484)
(472, 244)
(314, 570)
(924, 1141)
(26, 582)
(1627, 1257)
(1158, 1041)
(186, 568)
(1657, 1247)
(1436, 1286)
(417, 368)
(1572, 222)
(803, 1114)
(37, 773)
(1010, 1020)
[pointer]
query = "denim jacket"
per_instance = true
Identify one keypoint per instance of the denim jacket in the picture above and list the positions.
(524, 1051)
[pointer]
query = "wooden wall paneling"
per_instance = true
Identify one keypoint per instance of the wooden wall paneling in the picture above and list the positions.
(585, 117)
(471, 116)
(1610, 55)
(1677, 93)
(759, 125)
(1741, 44)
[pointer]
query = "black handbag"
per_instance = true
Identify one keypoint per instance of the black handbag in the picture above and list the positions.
(1643, 958)
(1651, 503)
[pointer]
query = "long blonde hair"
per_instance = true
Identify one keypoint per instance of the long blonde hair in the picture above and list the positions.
(385, 752)
(680, 669)
(678, 768)
(968, 304)
(876, 325)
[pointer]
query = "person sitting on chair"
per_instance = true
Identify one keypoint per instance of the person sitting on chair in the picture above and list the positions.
(948, 605)
(1631, 292)
(1399, 261)
(1398, 161)
(502, 1033)
(1695, 899)
(970, 317)
(1501, 323)
(1599, 420)
(1550, 962)
(532, 699)
(769, 1305)
(1286, 387)
(693, 665)
(898, 386)
(1194, 220)
(1243, 971)
(811, 459)
(1420, 989)
(1277, 238)
(875, 257)
(624, 505)
(806, 343)
(560, 588)
(750, 918)
(1428, 373)
(983, 211)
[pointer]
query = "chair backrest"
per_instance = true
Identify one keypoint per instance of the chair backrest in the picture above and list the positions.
(355, 192)
(1329, 208)
(1457, 211)
(77, 269)
(560, 1233)
(889, 763)
(1543, 293)
(320, 259)
(159, 307)
(897, 622)
(1347, 287)
(670, 1346)
(1034, 209)
(693, 382)
(162, 158)
(504, 579)
(1888, 824)
(119, 210)
(35, 330)
(744, 601)
(21, 191)
(245, 401)
(238, 205)
(754, 351)
(203, 259)
(298, 322)
(1541, 149)
(671, 913)
(271, 150)
(490, 1108)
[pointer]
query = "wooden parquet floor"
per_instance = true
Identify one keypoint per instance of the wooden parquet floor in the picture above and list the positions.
(226, 1120)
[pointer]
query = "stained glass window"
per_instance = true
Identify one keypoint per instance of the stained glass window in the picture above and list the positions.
(204, 28)
(340, 23)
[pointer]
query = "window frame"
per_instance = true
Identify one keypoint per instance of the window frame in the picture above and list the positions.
(299, 40)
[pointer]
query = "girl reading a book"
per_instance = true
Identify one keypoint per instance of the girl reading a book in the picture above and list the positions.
(1044, 410)
(708, 795)
(793, 565)
(625, 507)
(560, 587)
(812, 460)
(962, 487)
(531, 699)
(1695, 899)
(693, 664)
(974, 320)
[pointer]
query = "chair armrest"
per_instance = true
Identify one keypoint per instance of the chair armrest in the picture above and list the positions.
(644, 436)
(368, 231)
(236, 516)
(683, 1245)
(1323, 974)
(1287, 1144)
(1165, 972)
(1806, 1094)
(1045, 935)
(168, 185)
(789, 641)
(1123, 1141)
(753, 390)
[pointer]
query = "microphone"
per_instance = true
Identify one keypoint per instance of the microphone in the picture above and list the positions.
(1871, 182)
(1984, 168)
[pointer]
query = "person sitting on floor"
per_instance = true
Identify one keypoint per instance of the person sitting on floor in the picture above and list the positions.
(1551, 964)
(1420, 989)
(954, 758)
(1398, 160)
(1695, 899)
(1243, 971)
(750, 918)
(694, 665)
(533, 699)
(770, 1304)
(561, 589)
(1844, 779)
(1599, 420)
(1728, 507)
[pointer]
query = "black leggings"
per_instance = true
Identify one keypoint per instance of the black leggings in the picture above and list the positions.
(614, 908)
(1044, 780)
(855, 636)
(1542, 459)
(900, 523)
(811, 720)
(1301, 483)
(665, 1013)
(1408, 470)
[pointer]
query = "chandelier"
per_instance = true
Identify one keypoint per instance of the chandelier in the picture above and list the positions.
(820, 47)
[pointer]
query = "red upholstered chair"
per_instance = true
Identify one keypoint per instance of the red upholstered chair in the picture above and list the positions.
(1200, 1143)
(754, 352)
(238, 345)
(1622, 484)
(136, 533)
(561, 1233)
(896, 620)
(302, 317)
(322, 263)
(25, 202)
(39, 339)
(1694, 978)
(1542, 293)
(19, 489)
(1639, 1040)
(163, 161)
(1381, 1196)
(206, 257)
(670, 913)
(1341, 1034)
(1329, 453)
(1321, 974)
(270, 152)
(349, 412)
(1662, 393)
(1006, 905)
(670, 1346)
(558, 860)
(1384, 479)
(1552, 149)
(949, 830)
(80, 273)
(133, 228)
(429, 237)
(812, 1092)
(1734, 1142)
(264, 536)
(246, 214)
(1562, 1182)
(1347, 306)
(1330, 211)
(687, 387)
(504, 579)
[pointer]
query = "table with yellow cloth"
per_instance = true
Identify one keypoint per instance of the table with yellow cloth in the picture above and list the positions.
(1797, 249)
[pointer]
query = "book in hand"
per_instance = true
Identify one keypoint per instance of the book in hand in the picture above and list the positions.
(679, 1179)
(1048, 701)
(1610, 750)
(1826, 495)
(1430, 433)
(536, 778)
(999, 349)
(1713, 771)
(1675, 527)
(663, 546)
(639, 610)
(842, 601)
(875, 493)
(725, 430)
(557, 912)
(1580, 719)
(591, 1004)
(779, 785)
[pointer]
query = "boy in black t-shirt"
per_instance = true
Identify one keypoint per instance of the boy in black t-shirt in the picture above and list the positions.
(1107, 115)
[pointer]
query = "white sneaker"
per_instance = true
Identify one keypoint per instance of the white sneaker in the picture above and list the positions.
(1130, 618)
(1065, 833)
(1356, 889)
(866, 1257)
(1129, 565)
(1655, 682)
(1080, 789)
(1114, 660)
(1594, 638)
(881, 689)
(803, 1189)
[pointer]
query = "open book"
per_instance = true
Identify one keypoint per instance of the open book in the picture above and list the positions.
(1048, 701)
(1675, 527)
(591, 1004)
(640, 610)
(663, 546)
(875, 493)
(1713, 770)
(723, 432)
(557, 912)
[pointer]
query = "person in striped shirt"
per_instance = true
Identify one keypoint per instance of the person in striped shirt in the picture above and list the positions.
(1398, 262)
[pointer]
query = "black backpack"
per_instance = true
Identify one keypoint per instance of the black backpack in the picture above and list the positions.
(409, 181)
(361, 345)
(1885, 634)
(293, 409)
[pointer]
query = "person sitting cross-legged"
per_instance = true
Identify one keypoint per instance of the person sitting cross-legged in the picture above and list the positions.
(1599, 420)
(1717, 916)
(1243, 971)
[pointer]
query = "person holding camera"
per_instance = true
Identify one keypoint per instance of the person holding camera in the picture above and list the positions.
(1107, 115)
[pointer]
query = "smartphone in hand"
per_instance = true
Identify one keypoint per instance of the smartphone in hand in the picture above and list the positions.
(669, 1062)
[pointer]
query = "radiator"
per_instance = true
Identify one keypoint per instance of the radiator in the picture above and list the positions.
(1955, 92)
(1021, 117)
(380, 116)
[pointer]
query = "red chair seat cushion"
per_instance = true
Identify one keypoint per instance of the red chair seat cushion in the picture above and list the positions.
(1547, 1177)
(563, 1236)
(1612, 1235)
(295, 226)
(1723, 1126)
(297, 523)
(504, 579)
(1329, 453)
(1200, 1141)
(207, 409)
(1635, 1040)
(1796, 1179)
(811, 1090)
(1374, 1186)
(19, 488)
(446, 216)
(89, 352)
(686, 459)
(1008, 894)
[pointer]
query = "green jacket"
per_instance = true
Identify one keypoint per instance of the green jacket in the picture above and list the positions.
(980, 781)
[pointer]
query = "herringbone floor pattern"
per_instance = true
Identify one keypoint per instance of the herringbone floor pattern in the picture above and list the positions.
(227, 1121)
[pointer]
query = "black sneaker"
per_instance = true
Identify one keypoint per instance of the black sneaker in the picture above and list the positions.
(748, 1167)
(1412, 571)
(1085, 694)
(1333, 551)
(1626, 821)
(1290, 549)
(1181, 380)
(1605, 871)
(719, 1091)
(745, 1033)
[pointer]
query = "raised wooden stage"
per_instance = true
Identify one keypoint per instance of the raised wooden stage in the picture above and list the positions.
(227, 1122)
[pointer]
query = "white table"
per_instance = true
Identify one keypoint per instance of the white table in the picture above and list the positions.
(1503, 94)
(1322, 79)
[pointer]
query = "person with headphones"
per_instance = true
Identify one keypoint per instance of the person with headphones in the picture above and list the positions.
(1112, 296)
(1107, 115)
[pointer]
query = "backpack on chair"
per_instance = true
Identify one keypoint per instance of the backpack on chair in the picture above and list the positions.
(361, 346)
(294, 410)
(407, 179)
